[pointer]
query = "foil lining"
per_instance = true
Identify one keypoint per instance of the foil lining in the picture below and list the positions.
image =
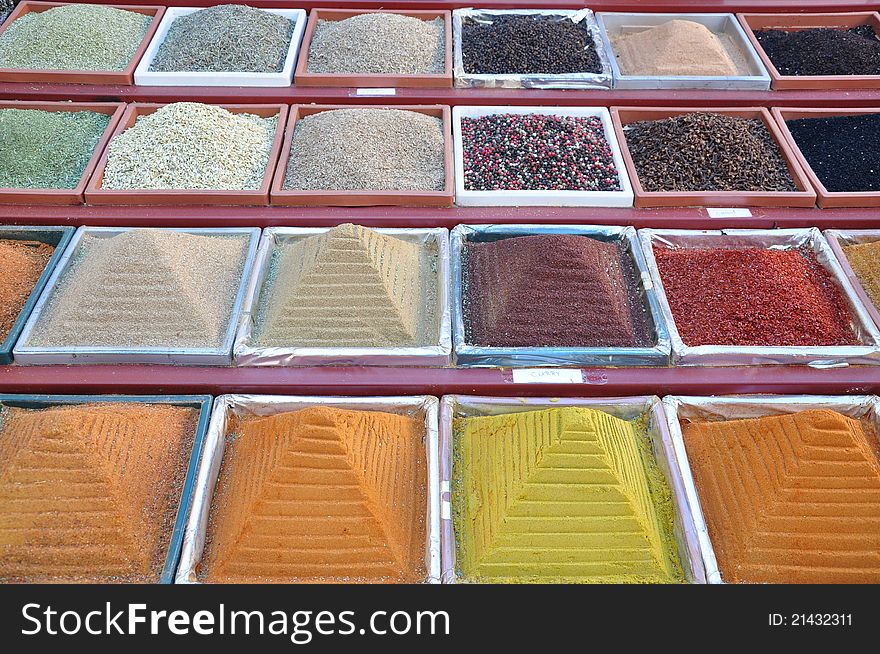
(225, 406)
(585, 17)
(477, 356)
(453, 407)
(733, 355)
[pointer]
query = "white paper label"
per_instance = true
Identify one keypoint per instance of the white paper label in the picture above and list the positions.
(445, 486)
(376, 92)
(445, 511)
(547, 376)
(733, 212)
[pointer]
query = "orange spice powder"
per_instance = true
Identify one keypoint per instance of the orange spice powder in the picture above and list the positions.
(319, 495)
(89, 493)
(790, 499)
(21, 264)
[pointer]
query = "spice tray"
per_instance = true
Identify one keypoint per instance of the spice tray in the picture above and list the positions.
(837, 238)
(456, 407)
(327, 197)
(733, 355)
(805, 196)
(733, 37)
(477, 356)
(585, 17)
(303, 77)
(95, 194)
(143, 76)
(466, 198)
(59, 195)
(227, 406)
(439, 354)
(31, 355)
(58, 237)
(681, 408)
(78, 76)
(794, 22)
(826, 198)
(201, 402)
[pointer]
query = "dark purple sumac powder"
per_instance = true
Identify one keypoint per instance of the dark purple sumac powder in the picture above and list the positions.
(552, 290)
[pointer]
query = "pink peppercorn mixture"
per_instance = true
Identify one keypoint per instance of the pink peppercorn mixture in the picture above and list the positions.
(753, 297)
(537, 152)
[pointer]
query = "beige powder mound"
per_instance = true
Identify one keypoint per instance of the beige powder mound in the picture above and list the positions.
(677, 47)
(348, 287)
(145, 288)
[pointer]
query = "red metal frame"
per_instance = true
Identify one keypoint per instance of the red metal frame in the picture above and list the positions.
(668, 217)
(432, 381)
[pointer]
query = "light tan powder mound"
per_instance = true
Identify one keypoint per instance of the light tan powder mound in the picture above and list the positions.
(677, 47)
(348, 287)
(89, 493)
(146, 287)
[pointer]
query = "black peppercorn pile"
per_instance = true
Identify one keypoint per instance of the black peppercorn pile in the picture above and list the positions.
(527, 45)
(855, 51)
(537, 152)
(707, 152)
(843, 151)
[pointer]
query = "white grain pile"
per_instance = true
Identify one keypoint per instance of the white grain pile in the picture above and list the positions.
(388, 44)
(188, 145)
(145, 288)
(367, 149)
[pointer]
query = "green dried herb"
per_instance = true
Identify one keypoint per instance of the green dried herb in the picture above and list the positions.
(47, 149)
(226, 38)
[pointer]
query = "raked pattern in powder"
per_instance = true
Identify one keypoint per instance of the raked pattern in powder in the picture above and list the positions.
(348, 287)
(145, 288)
(90, 493)
(560, 495)
(320, 494)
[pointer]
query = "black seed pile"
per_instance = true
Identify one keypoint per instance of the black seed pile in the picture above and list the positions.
(705, 151)
(843, 151)
(854, 51)
(537, 152)
(5, 9)
(527, 45)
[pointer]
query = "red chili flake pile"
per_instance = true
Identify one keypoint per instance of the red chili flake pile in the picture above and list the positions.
(537, 152)
(753, 297)
(552, 290)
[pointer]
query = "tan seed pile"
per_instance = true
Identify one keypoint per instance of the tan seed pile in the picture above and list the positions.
(145, 288)
(74, 37)
(677, 47)
(385, 44)
(367, 149)
(188, 145)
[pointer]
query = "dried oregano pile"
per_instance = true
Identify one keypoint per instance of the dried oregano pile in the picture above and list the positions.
(387, 44)
(47, 149)
(74, 37)
(225, 38)
(188, 145)
(367, 149)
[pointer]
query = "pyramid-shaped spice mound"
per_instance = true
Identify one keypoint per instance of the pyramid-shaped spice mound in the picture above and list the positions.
(559, 290)
(320, 494)
(790, 499)
(348, 287)
(147, 288)
(90, 492)
(560, 495)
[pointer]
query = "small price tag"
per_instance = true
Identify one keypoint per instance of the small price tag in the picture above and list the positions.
(376, 92)
(732, 212)
(547, 376)
(445, 510)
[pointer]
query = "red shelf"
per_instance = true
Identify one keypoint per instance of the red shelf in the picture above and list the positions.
(432, 381)
(476, 96)
(672, 217)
